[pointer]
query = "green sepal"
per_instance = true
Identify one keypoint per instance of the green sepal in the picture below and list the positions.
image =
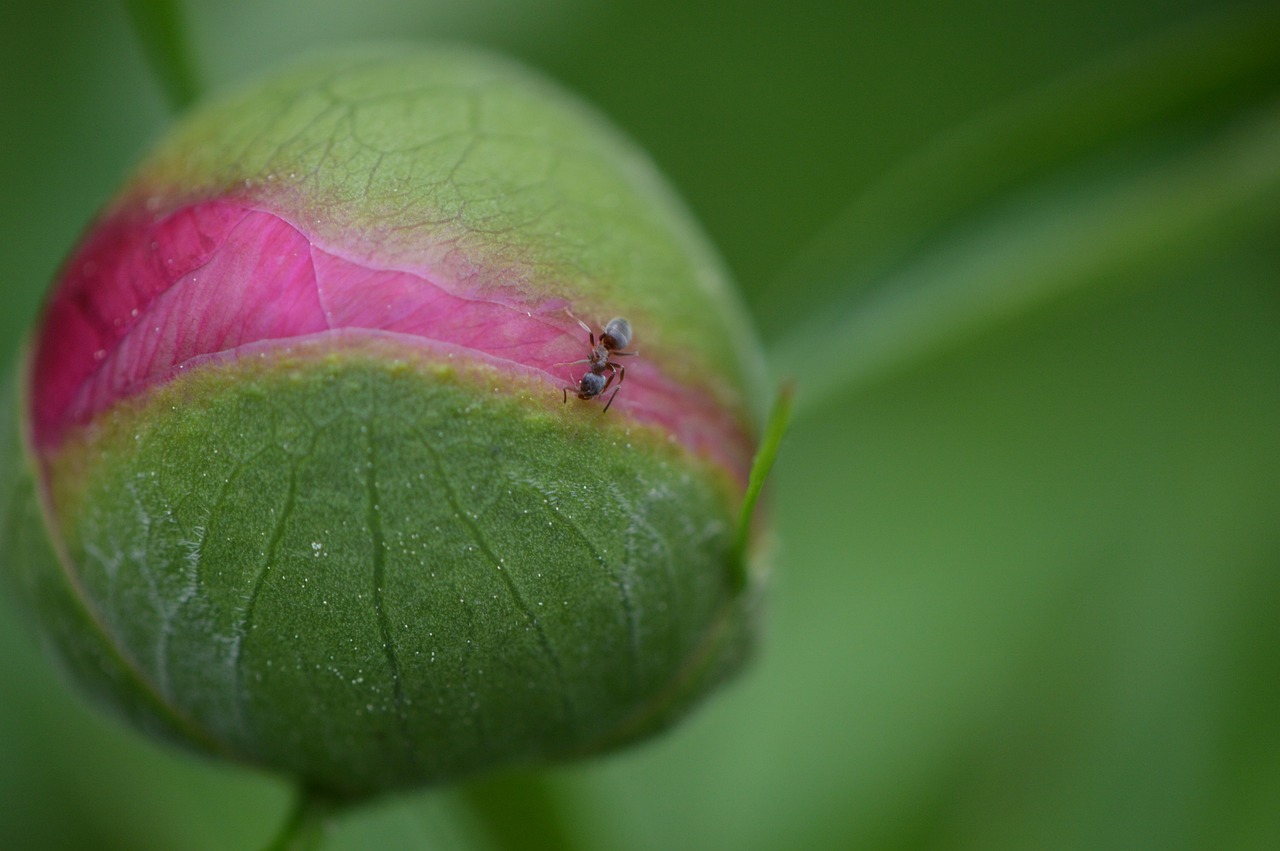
(373, 571)
(774, 431)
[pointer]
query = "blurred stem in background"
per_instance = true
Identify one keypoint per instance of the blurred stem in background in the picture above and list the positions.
(1171, 145)
(161, 29)
(304, 830)
(520, 810)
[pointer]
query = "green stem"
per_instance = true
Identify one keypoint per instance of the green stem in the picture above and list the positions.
(305, 828)
(520, 810)
(161, 30)
(775, 429)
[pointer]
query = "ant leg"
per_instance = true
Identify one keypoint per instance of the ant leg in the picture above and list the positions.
(617, 372)
(610, 402)
(613, 373)
(585, 327)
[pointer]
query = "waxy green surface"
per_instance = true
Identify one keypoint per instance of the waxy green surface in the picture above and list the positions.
(303, 562)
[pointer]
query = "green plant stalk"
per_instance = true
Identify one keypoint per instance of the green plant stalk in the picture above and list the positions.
(520, 811)
(305, 828)
(775, 430)
(161, 29)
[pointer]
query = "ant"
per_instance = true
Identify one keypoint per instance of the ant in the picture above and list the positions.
(616, 335)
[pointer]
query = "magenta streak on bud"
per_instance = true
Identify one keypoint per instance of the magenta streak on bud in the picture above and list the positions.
(144, 298)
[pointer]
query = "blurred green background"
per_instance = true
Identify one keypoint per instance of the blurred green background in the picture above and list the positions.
(1028, 577)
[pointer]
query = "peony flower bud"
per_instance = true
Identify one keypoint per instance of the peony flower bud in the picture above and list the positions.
(304, 478)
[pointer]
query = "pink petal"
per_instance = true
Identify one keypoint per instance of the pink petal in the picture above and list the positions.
(142, 298)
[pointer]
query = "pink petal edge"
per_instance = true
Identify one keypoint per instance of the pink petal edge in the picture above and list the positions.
(143, 298)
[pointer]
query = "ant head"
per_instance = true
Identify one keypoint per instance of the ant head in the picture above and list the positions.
(617, 334)
(591, 386)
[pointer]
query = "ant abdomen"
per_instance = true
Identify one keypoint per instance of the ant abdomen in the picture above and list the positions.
(617, 334)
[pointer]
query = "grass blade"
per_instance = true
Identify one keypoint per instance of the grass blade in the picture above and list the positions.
(775, 429)
(161, 30)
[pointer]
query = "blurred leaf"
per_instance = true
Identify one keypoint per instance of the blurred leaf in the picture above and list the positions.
(1157, 212)
(919, 276)
(161, 28)
(1189, 76)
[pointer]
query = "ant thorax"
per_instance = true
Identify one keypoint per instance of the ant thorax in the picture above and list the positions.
(598, 359)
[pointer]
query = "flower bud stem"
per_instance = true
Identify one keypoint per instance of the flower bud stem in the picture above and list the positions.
(520, 810)
(307, 823)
